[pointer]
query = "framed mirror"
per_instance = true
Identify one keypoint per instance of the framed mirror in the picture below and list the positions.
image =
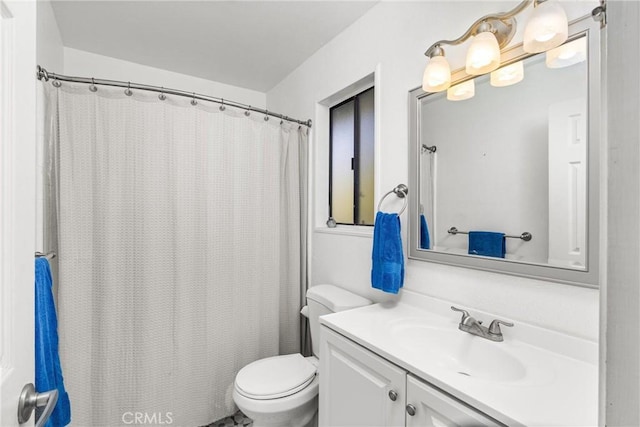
(506, 165)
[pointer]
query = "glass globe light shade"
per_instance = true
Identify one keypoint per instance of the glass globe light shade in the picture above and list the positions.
(509, 75)
(547, 28)
(483, 55)
(567, 54)
(437, 75)
(462, 91)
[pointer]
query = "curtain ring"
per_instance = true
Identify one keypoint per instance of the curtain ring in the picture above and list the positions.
(248, 112)
(162, 96)
(93, 87)
(266, 115)
(193, 100)
(56, 82)
(128, 90)
(42, 74)
(222, 107)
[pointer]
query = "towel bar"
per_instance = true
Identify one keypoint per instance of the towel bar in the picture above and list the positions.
(526, 236)
(401, 191)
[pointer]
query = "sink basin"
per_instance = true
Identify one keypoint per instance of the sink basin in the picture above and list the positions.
(459, 352)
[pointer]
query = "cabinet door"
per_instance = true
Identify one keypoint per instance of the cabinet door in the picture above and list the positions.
(358, 388)
(433, 408)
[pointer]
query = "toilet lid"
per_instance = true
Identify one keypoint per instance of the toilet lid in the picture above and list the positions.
(275, 377)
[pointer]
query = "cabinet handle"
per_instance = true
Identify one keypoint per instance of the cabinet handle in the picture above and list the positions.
(393, 395)
(411, 410)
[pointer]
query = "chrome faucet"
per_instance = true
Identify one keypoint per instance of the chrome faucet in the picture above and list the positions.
(474, 327)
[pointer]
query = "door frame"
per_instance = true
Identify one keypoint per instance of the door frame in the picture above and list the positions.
(17, 201)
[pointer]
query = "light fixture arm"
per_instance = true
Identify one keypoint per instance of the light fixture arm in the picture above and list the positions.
(503, 25)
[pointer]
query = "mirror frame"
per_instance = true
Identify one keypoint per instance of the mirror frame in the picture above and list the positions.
(588, 277)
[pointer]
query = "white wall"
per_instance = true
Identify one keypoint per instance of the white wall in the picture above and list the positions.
(49, 48)
(50, 55)
(390, 40)
(86, 64)
(620, 349)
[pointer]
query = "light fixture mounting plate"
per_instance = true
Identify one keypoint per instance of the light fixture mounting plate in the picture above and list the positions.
(504, 29)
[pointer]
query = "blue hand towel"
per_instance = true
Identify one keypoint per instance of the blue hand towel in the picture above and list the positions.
(487, 243)
(387, 272)
(48, 369)
(425, 241)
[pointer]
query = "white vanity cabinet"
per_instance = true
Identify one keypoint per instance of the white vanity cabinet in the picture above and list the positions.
(357, 387)
(360, 388)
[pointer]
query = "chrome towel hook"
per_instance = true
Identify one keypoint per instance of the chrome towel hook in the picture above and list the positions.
(402, 191)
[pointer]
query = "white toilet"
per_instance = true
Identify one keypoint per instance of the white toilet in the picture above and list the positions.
(283, 390)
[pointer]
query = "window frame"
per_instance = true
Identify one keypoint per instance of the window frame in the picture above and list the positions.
(355, 164)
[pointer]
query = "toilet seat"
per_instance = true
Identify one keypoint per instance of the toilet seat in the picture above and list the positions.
(275, 377)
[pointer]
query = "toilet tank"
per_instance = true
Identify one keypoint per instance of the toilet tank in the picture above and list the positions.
(326, 299)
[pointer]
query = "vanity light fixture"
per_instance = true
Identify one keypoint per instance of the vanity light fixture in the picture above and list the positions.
(547, 28)
(508, 75)
(462, 91)
(567, 54)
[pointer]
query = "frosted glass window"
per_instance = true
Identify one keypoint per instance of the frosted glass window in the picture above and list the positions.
(366, 202)
(351, 188)
(342, 178)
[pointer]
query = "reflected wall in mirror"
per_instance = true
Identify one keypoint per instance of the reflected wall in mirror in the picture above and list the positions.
(518, 160)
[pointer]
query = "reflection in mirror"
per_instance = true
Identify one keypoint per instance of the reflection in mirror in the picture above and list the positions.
(507, 165)
(509, 160)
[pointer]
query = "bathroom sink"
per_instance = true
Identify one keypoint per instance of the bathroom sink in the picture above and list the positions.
(459, 352)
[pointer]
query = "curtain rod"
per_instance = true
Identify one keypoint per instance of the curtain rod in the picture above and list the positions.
(57, 78)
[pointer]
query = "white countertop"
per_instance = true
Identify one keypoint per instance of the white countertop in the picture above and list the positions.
(553, 383)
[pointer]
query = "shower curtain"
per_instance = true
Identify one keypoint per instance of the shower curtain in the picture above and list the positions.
(181, 256)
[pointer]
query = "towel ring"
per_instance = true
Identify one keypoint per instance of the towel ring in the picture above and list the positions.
(401, 191)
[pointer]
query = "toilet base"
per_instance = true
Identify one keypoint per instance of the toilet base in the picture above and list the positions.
(302, 416)
(311, 420)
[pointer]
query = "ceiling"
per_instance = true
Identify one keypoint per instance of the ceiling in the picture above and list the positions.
(251, 44)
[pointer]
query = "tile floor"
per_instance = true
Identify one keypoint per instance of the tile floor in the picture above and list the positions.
(237, 419)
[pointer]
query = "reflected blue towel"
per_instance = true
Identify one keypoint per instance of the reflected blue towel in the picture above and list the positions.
(48, 370)
(387, 272)
(487, 243)
(425, 241)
